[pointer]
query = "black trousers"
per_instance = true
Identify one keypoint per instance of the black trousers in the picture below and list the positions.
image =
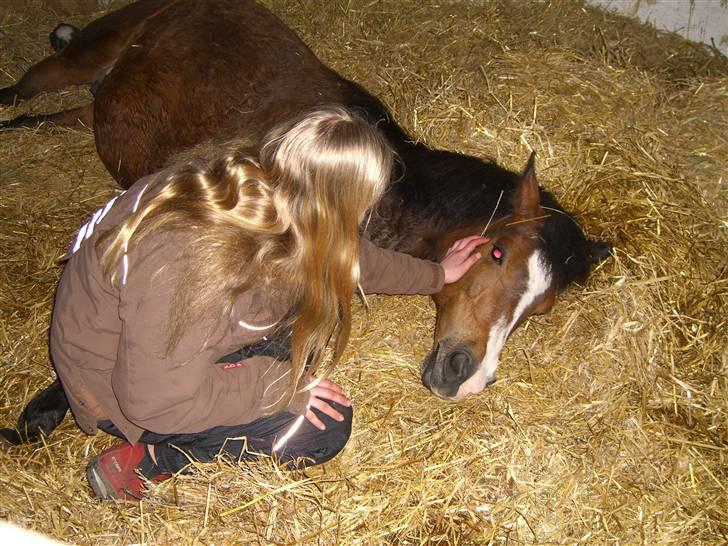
(308, 446)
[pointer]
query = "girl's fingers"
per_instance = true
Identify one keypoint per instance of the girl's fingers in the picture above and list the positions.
(470, 238)
(330, 385)
(320, 392)
(326, 408)
(458, 262)
(469, 243)
(472, 259)
(315, 421)
(329, 390)
(321, 397)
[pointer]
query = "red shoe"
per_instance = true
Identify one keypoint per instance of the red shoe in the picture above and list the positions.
(115, 472)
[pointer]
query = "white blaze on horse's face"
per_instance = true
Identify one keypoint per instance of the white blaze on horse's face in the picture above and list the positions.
(539, 281)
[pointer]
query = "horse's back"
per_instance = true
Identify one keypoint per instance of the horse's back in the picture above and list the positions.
(202, 71)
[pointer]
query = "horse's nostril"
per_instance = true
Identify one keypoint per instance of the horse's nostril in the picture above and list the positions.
(458, 365)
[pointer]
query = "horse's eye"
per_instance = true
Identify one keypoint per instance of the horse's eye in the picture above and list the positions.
(497, 254)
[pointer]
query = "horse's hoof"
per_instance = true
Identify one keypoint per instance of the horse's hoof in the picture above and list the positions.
(8, 96)
(62, 36)
(9, 438)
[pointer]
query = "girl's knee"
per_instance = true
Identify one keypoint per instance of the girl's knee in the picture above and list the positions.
(337, 433)
(343, 428)
(318, 446)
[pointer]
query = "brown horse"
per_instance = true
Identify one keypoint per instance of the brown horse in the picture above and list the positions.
(170, 76)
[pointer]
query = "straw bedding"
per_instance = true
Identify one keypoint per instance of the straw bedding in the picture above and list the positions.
(608, 421)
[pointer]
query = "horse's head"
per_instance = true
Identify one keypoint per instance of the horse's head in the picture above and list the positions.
(532, 255)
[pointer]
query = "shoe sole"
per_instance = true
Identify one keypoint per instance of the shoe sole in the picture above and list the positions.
(102, 489)
(96, 481)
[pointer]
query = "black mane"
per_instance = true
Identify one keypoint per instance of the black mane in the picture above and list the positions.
(436, 191)
(456, 190)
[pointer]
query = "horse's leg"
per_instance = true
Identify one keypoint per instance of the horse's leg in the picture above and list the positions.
(50, 74)
(89, 53)
(76, 117)
(40, 417)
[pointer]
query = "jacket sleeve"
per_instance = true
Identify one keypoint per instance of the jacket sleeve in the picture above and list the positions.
(183, 390)
(389, 272)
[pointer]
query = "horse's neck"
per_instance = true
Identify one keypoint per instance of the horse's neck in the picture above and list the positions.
(438, 191)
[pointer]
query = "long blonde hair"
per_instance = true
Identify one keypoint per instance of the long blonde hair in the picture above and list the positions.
(287, 219)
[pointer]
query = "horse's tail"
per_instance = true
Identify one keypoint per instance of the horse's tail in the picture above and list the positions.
(40, 417)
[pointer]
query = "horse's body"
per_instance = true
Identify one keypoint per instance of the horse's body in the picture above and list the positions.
(172, 75)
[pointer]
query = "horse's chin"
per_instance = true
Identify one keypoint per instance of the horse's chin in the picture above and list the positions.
(475, 384)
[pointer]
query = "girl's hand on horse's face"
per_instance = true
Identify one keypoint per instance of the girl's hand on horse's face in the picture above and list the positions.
(321, 394)
(460, 257)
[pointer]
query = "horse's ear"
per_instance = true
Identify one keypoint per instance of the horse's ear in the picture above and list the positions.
(527, 199)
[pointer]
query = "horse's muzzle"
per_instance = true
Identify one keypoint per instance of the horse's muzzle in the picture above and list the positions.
(446, 368)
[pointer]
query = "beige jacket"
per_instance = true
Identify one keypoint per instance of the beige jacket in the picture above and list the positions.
(108, 343)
